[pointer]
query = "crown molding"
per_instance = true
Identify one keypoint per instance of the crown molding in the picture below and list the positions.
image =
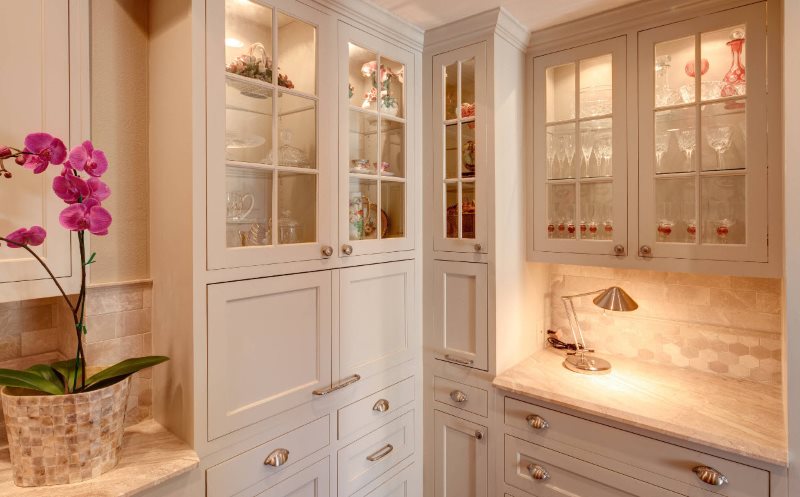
(482, 25)
(511, 30)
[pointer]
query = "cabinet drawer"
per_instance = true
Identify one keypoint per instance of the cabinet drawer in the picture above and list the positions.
(249, 468)
(375, 453)
(371, 410)
(313, 481)
(560, 475)
(403, 484)
(475, 400)
(608, 447)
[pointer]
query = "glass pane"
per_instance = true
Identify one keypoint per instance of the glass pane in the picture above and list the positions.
(676, 140)
(595, 94)
(392, 148)
(724, 206)
(392, 87)
(597, 219)
(560, 92)
(674, 72)
(451, 201)
(248, 39)
(363, 143)
(248, 125)
(724, 140)
(561, 151)
(594, 148)
(297, 132)
(361, 72)
(297, 54)
(248, 197)
(468, 210)
(297, 207)
(723, 53)
(676, 214)
(450, 90)
(468, 150)
(363, 208)
(393, 211)
(561, 211)
(451, 159)
(468, 88)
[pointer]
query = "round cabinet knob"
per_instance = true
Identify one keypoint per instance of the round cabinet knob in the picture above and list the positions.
(458, 396)
(478, 435)
(537, 422)
(327, 251)
(381, 406)
(645, 251)
(710, 475)
(277, 458)
(537, 472)
(347, 249)
(619, 249)
(478, 247)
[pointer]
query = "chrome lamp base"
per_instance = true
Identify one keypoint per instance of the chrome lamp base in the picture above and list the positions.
(587, 364)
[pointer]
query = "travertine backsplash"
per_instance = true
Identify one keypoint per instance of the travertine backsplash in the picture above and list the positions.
(118, 323)
(722, 324)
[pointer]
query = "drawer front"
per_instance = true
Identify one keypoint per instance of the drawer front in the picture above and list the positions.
(547, 473)
(371, 410)
(251, 467)
(460, 457)
(313, 481)
(375, 453)
(403, 484)
(468, 398)
(611, 446)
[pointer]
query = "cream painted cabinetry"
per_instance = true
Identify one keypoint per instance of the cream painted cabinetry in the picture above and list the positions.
(461, 453)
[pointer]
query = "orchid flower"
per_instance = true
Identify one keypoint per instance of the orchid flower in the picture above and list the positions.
(98, 190)
(70, 188)
(85, 158)
(31, 237)
(88, 215)
(41, 150)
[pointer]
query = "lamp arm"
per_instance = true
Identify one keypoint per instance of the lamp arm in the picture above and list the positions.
(572, 317)
(586, 294)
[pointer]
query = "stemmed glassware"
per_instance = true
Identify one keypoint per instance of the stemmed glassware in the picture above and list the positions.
(662, 145)
(603, 152)
(719, 138)
(687, 143)
(587, 145)
(665, 222)
(567, 148)
(551, 155)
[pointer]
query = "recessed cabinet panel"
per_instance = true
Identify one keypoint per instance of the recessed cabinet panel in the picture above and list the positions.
(311, 482)
(460, 457)
(278, 329)
(403, 484)
(460, 313)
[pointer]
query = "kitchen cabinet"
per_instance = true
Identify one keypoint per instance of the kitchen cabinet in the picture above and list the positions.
(311, 482)
(402, 484)
(460, 457)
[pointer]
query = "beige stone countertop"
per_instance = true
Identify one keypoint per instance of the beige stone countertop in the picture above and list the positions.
(735, 416)
(150, 455)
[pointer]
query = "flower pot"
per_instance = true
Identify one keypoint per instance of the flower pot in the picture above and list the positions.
(56, 439)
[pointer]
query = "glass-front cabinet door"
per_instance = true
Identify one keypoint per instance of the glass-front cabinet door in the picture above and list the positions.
(703, 136)
(269, 119)
(459, 141)
(579, 150)
(376, 176)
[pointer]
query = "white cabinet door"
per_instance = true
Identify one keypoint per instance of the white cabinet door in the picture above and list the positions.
(39, 97)
(269, 347)
(376, 305)
(460, 313)
(461, 158)
(461, 462)
(313, 481)
(403, 484)
(579, 146)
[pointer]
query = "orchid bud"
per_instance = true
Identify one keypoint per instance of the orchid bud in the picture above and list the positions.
(5, 152)
(20, 159)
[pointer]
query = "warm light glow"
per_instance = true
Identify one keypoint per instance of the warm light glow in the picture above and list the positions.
(233, 43)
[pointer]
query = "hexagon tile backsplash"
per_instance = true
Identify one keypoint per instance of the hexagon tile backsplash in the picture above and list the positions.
(726, 325)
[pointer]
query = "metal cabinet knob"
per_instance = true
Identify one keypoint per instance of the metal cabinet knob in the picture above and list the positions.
(478, 435)
(347, 249)
(710, 475)
(381, 406)
(327, 251)
(537, 422)
(458, 396)
(538, 473)
(277, 458)
(478, 247)
(619, 249)
(645, 251)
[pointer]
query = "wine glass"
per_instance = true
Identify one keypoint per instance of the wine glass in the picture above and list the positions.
(560, 157)
(603, 151)
(723, 227)
(719, 138)
(587, 144)
(691, 217)
(662, 145)
(551, 228)
(665, 221)
(551, 155)
(687, 143)
(568, 143)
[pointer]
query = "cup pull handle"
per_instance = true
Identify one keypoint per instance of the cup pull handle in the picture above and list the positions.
(277, 458)
(381, 406)
(458, 396)
(537, 422)
(538, 473)
(710, 475)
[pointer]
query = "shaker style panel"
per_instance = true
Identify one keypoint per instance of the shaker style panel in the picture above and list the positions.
(373, 409)
(403, 484)
(460, 313)
(703, 138)
(269, 347)
(376, 172)
(313, 481)
(270, 110)
(466, 397)
(461, 457)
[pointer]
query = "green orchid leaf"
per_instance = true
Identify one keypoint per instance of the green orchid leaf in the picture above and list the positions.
(49, 374)
(119, 371)
(29, 380)
(67, 371)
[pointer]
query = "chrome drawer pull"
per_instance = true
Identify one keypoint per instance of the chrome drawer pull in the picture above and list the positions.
(538, 473)
(710, 475)
(458, 360)
(277, 458)
(381, 406)
(381, 453)
(458, 396)
(336, 386)
(537, 422)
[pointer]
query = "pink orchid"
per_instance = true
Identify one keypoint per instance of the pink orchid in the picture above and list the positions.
(70, 188)
(85, 158)
(6, 152)
(30, 237)
(98, 190)
(41, 150)
(88, 215)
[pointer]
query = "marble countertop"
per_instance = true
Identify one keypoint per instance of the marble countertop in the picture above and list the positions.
(735, 416)
(150, 455)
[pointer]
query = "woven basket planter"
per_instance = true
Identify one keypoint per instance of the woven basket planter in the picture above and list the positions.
(57, 439)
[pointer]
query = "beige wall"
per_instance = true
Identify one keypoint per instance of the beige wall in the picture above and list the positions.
(119, 127)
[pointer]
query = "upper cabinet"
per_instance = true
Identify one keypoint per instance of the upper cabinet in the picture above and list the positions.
(460, 150)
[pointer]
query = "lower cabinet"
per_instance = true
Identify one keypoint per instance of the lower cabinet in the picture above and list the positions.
(403, 484)
(460, 457)
(313, 481)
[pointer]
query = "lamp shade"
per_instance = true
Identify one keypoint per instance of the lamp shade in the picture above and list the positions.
(615, 299)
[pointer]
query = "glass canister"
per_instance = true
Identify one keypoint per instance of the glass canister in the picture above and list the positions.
(289, 229)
